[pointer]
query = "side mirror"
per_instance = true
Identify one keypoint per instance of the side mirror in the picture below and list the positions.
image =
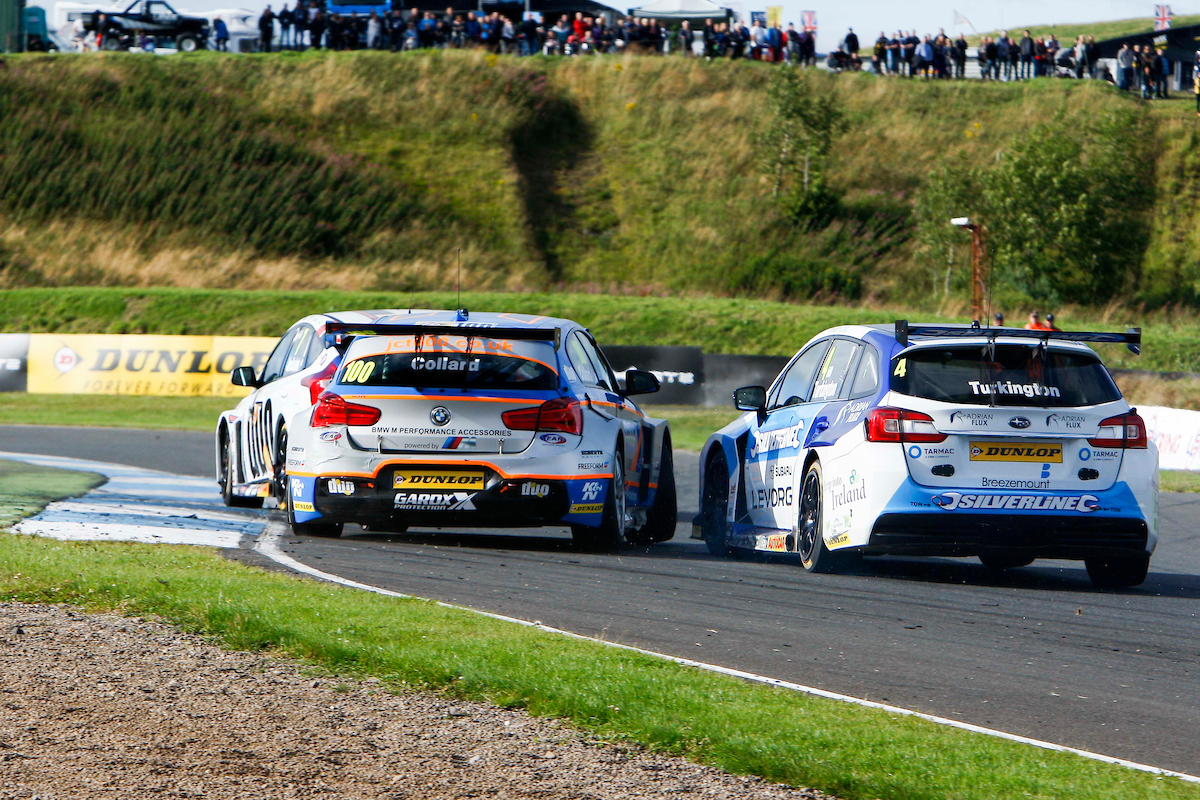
(244, 376)
(638, 382)
(750, 398)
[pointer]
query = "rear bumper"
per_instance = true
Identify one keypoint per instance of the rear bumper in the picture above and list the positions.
(1071, 537)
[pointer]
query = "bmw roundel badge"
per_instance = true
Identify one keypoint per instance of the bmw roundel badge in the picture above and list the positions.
(1020, 423)
(440, 416)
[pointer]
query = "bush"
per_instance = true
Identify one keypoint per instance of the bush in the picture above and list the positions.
(795, 278)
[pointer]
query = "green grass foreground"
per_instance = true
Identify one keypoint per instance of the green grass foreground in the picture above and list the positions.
(615, 695)
(26, 489)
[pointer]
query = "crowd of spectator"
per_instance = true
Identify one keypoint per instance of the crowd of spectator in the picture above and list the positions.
(901, 54)
(309, 25)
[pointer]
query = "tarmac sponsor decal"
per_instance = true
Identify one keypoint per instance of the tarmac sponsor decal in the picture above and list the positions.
(437, 479)
(1029, 452)
(916, 451)
(1009, 388)
(586, 508)
(781, 439)
(952, 501)
(434, 501)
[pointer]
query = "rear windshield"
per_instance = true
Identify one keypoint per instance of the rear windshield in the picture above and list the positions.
(1016, 375)
(442, 370)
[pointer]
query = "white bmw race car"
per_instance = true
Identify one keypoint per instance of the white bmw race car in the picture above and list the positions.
(947, 440)
(445, 418)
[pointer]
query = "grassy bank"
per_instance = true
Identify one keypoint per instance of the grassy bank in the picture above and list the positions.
(782, 736)
(372, 171)
(716, 325)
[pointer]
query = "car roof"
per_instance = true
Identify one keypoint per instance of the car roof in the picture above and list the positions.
(889, 330)
(401, 316)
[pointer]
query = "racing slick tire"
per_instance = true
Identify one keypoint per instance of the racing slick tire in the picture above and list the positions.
(810, 546)
(1000, 561)
(714, 508)
(1118, 571)
(231, 499)
(279, 485)
(187, 43)
(611, 532)
(327, 530)
(662, 516)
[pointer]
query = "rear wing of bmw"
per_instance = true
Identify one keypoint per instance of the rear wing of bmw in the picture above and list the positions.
(1132, 338)
(340, 334)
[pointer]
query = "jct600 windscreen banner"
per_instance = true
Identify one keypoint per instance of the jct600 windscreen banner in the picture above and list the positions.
(185, 366)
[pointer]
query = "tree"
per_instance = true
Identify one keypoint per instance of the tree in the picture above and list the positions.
(796, 140)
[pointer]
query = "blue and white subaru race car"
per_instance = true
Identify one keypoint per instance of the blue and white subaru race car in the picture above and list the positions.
(445, 418)
(946, 440)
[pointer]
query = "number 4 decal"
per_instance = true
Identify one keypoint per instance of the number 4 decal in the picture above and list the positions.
(901, 368)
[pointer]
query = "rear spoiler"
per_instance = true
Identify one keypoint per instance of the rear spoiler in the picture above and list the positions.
(339, 334)
(1132, 338)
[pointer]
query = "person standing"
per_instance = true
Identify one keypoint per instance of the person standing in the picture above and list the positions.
(374, 32)
(1162, 70)
(221, 32)
(993, 58)
(300, 24)
(1026, 49)
(285, 27)
(316, 29)
(960, 57)
(1001, 65)
(1081, 57)
(1148, 69)
(266, 30)
(1124, 68)
(879, 57)
(851, 43)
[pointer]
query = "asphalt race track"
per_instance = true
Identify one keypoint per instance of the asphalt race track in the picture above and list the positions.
(1036, 652)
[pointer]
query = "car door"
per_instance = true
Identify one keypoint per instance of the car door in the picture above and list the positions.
(830, 389)
(254, 441)
(776, 441)
(637, 463)
(600, 385)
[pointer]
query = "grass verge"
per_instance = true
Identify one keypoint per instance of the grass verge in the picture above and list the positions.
(415, 644)
(1175, 480)
(26, 489)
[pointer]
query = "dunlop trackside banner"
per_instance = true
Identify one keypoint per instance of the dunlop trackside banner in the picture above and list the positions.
(185, 366)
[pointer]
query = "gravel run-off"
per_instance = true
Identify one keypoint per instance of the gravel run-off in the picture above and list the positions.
(100, 706)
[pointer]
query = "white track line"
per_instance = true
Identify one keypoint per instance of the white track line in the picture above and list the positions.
(268, 545)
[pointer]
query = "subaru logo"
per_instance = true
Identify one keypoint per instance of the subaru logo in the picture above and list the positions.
(1020, 423)
(439, 416)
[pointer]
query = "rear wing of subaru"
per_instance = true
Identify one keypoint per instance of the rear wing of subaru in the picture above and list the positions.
(340, 334)
(1132, 338)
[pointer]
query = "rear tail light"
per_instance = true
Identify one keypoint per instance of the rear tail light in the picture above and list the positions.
(560, 414)
(332, 409)
(899, 425)
(319, 381)
(1124, 431)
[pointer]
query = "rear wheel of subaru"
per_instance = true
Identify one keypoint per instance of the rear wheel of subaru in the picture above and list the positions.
(328, 530)
(814, 555)
(611, 533)
(1118, 571)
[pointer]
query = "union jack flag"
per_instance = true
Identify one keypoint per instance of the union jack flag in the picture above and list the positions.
(809, 20)
(1162, 18)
